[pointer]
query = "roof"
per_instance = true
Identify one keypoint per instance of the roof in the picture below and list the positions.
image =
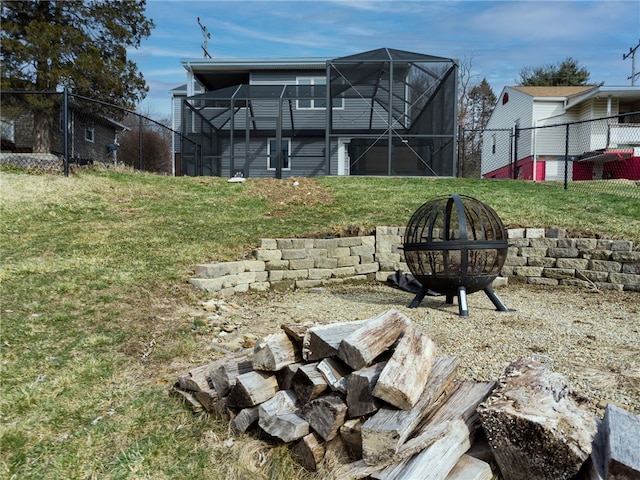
(563, 91)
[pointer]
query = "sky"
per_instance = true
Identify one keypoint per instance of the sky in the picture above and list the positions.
(495, 38)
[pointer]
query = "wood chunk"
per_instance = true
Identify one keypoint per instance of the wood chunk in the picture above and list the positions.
(309, 452)
(207, 398)
(245, 419)
(325, 415)
(405, 375)
(221, 410)
(372, 338)
(224, 377)
(252, 388)
(308, 382)
(285, 375)
(351, 434)
(323, 340)
(535, 426)
(296, 331)
(387, 430)
(621, 439)
(335, 373)
(360, 385)
(189, 398)
(198, 378)
(278, 417)
(274, 352)
(470, 468)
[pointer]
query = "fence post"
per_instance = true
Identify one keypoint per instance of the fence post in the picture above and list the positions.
(566, 158)
(65, 130)
(140, 142)
(516, 134)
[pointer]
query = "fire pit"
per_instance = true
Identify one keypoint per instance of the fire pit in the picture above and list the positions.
(455, 245)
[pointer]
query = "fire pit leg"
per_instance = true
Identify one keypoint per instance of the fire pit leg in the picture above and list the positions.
(418, 298)
(463, 308)
(500, 307)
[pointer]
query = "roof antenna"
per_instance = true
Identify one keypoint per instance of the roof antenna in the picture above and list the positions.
(632, 54)
(205, 38)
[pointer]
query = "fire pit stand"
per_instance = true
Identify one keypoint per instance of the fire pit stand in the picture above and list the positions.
(455, 245)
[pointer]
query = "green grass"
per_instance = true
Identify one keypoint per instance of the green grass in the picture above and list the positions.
(94, 293)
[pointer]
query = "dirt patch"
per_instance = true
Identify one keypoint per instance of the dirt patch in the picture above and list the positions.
(291, 191)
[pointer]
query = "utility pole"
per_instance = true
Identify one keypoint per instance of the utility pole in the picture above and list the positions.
(205, 38)
(632, 54)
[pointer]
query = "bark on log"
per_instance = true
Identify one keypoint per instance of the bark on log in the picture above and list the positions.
(405, 375)
(387, 430)
(274, 352)
(360, 385)
(308, 383)
(309, 452)
(323, 340)
(224, 377)
(252, 388)
(335, 372)
(278, 417)
(325, 415)
(372, 338)
(245, 419)
(534, 424)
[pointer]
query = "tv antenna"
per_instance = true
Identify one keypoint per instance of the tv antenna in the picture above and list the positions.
(632, 54)
(205, 38)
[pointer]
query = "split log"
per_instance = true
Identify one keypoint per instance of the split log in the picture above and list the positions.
(387, 430)
(207, 398)
(274, 352)
(405, 375)
(252, 388)
(189, 398)
(309, 452)
(285, 375)
(351, 435)
(245, 419)
(296, 331)
(224, 377)
(335, 373)
(360, 385)
(221, 410)
(198, 378)
(618, 438)
(470, 468)
(278, 417)
(534, 424)
(325, 415)
(372, 338)
(308, 383)
(323, 340)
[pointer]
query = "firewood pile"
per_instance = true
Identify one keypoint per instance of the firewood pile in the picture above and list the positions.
(379, 387)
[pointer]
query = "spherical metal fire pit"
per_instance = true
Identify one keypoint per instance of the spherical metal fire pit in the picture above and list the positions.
(455, 245)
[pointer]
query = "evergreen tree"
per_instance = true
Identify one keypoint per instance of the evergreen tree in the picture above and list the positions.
(565, 73)
(77, 44)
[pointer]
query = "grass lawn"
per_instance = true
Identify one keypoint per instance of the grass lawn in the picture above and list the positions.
(95, 303)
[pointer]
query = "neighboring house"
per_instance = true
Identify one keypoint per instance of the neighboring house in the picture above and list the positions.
(598, 149)
(392, 113)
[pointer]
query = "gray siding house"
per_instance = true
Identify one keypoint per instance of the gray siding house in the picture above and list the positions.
(391, 113)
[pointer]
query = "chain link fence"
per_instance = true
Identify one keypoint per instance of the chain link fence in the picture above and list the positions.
(34, 136)
(592, 156)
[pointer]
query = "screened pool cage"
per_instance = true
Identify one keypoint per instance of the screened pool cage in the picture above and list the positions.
(393, 114)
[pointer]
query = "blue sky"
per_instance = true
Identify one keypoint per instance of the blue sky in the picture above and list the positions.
(497, 38)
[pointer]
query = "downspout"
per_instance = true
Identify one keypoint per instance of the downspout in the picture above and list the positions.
(328, 122)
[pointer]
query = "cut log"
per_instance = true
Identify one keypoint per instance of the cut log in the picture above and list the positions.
(323, 340)
(373, 337)
(189, 398)
(470, 468)
(325, 415)
(309, 452)
(620, 432)
(252, 388)
(351, 434)
(274, 352)
(461, 404)
(207, 398)
(405, 375)
(308, 383)
(278, 417)
(224, 377)
(221, 410)
(198, 378)
(534, 424)
(245, 419)
(387, 430)
(335, 373)
(285, 375)
(296, 331)
(360, 385)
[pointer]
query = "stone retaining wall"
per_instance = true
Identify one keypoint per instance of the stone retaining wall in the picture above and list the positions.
(536, 256)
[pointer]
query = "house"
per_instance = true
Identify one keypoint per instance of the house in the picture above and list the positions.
(533, 129)
(392, 113)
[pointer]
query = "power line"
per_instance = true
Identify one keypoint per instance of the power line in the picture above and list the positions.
(632, 54)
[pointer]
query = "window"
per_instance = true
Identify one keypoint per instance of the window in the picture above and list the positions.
(90, 134)
(316, 103)
(272, 154)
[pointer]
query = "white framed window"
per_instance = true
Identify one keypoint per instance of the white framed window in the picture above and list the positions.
(90, 133)
(315, 103)
(272, 153)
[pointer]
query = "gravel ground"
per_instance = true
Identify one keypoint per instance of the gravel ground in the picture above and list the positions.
(592, 338)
